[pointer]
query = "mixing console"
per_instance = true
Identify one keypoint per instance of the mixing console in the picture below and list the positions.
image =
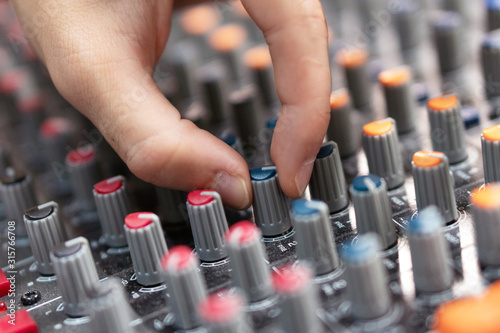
(397, 231)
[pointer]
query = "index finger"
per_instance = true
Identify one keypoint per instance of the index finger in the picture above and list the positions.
(297, 35)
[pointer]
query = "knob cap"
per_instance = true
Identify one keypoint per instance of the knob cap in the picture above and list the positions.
(314, 236)
(17, 195)
(208, 223)
(490, 143)
(448, 36)
(172, 205)
(429, 252)
(83, 172)
(399, 99)
(269, 204)
(367, 289)
(109, 308)
(381, 146)
(76, 274)
(299, 299)
(354, 62)
(327, 179)
(486, 213)
(434, 183)
(186, 286)
(447, 127)
(373, 209)
(248, 260)
(113, 205)
(147, 246)
(490, 56)
(222, 312)
(45, 231)
(342, 122)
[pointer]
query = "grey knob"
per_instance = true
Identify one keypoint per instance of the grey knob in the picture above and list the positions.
(54, 133)
(447, 127)
(76, 274)
(248, 260)
(314, 235)
(367, 288)
(490, 143)
(409, 21)
(381, 146)
(172, 205)
(399, 99)
(342, 124)
(354, 62)
(373, 209)
(493, 15)
(270, 204)
(222, 312)
(449, 40)
(183, 59)
(245, 110)
(429, 252)
(17, 195)
(490, 57)
(486, 213)
(434, 183)
(371, 32)
(258, 61)
(45, 230)
(213, 78)
(83, 172)
(147, 246)
(109, 308)
(113, 205)
(208, 223)
(300, 299)
(186, 286)
(327, 179)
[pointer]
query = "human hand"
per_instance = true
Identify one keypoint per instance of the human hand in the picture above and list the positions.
(101, 55)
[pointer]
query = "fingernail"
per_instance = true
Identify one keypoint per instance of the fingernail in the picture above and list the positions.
(232, 189)
(303, 176)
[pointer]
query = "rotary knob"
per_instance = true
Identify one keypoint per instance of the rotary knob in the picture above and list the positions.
(314, 236)
(147, 246)
(490, 56)
(327, 179)
(270, 203)
(76, 274)
(447, 127)
(113, 205)
(373, 209)
(367, 290)
(248, 260)
(490, 143)
(45, 231)
(429, 252)
(222, 312)
(493, 15)
(381, 146)
(299, 299)
(228, 41)
(186, 286)
(244, 105)
(258, 61)
(434, 183)
(17, 195)
(486, 213)
(83, 172)
(208, 223)
(399, 100)
(213, 79)
(109, 308)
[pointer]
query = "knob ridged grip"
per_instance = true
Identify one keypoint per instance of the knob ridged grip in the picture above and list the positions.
(327, 179)
(367, 289)
(113, 205)
(434, 183)
(83, 172)
(490, 144)
(447, 127)
(186, 286)
(109, 308)
(314, 235)
(208, 224)
(373, 209)
(76, 274)
(248, 260)
(429, 252)
(45, 231)
(270, 204)
(17, 195)
(381, 146)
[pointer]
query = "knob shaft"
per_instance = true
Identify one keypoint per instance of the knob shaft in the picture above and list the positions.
(490, 143)
(76, 274)
(208, 223)
(45, 231)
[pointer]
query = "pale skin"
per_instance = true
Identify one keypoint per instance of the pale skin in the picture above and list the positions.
(101, 55)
